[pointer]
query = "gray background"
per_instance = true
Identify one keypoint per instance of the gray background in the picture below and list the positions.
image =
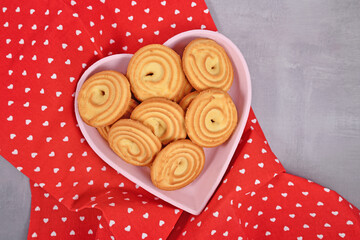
(304, 61)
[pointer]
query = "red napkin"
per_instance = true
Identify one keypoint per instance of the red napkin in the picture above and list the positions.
(46, 47)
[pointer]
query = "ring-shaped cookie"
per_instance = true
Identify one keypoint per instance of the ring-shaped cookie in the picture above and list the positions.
(104, 98)
(165, 118)
(155, 71)
(177, 165)
(207, 65)
(133, 142)
(211, 118)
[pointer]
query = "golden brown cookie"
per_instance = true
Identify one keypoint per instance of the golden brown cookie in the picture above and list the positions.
(207, 65)
(165, 118)
(155, 71)
(185, 102)
(211, 118)
(104, 131)
(132, 105)
(186, 90)
(104, 98)
(177, 165)
(133, 142)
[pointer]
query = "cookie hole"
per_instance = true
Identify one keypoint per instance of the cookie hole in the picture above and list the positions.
(102, 92)
(212, 121)
(150, 74)
(213, 67)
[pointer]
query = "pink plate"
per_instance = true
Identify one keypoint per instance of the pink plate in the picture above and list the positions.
(194, 197)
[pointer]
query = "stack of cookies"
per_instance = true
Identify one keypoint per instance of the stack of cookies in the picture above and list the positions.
(165, 110)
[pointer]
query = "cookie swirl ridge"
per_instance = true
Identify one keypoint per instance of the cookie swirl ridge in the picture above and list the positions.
(104, 98)
(165, 118)
(132, 105)
(185, 102)
(155, 71)
(133, 142)
(211, 118)
(207, 65)
(104, 131)
(177, 165)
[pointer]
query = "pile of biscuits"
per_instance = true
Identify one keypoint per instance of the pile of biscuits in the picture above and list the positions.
(147, 115)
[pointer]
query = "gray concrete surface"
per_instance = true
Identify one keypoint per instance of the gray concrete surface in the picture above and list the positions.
(15, 201)
(304, 60)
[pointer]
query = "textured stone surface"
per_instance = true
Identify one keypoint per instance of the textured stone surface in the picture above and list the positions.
(15, 201)
(304, 59)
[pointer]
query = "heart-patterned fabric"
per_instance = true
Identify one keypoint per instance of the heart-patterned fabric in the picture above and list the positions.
(46, 46)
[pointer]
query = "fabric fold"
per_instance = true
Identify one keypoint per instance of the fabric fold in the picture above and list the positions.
(256, 199)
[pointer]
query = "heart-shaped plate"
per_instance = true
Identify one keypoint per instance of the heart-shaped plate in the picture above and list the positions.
(194, 197)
